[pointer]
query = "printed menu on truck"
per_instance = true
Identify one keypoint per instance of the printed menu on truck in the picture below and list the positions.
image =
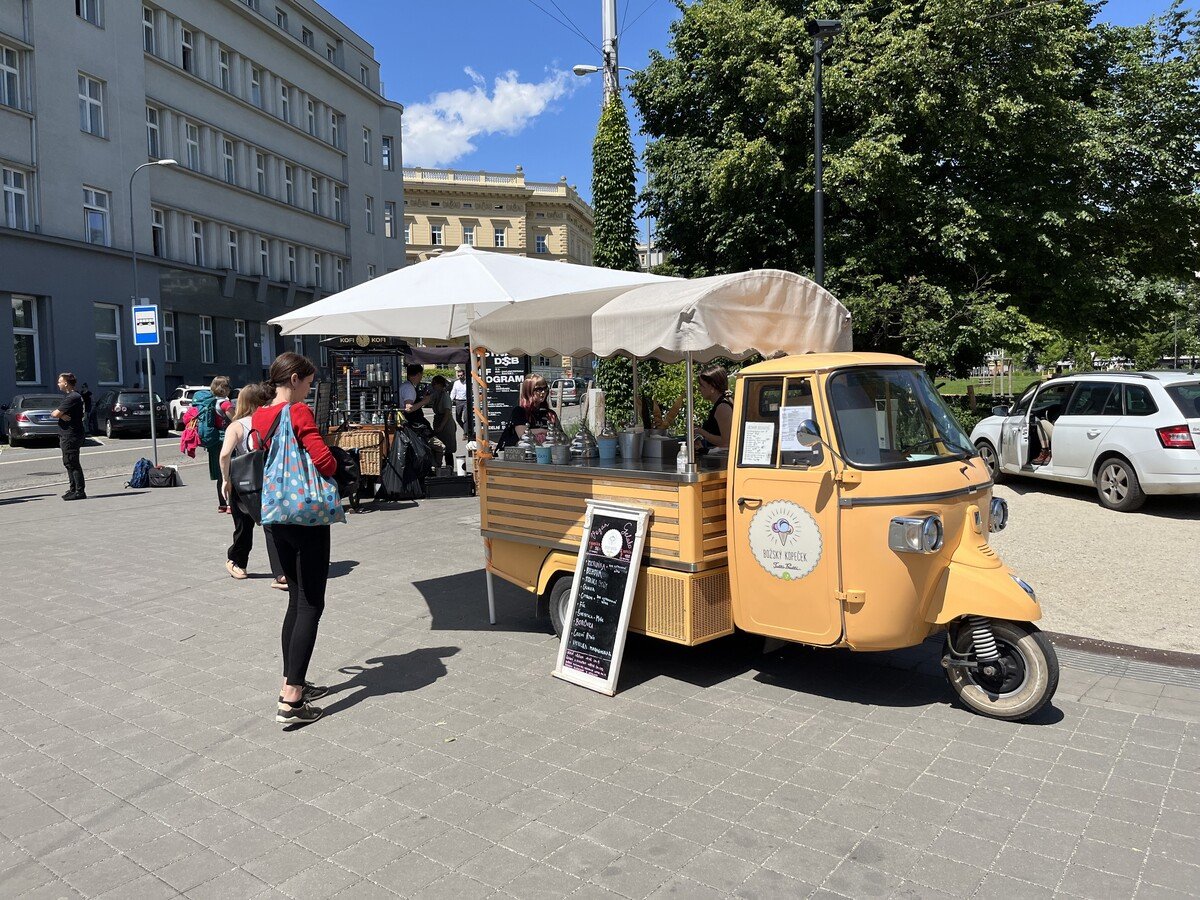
(597, 617)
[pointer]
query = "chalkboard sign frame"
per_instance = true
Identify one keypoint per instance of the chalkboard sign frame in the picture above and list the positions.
(639, 516)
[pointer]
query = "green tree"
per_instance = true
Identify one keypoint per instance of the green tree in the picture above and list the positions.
(997, 172)
(614, 170)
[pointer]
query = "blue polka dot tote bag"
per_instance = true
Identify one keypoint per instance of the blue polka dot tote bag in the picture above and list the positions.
(294, 492)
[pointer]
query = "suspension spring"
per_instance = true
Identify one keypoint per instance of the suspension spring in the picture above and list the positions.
(982, 639)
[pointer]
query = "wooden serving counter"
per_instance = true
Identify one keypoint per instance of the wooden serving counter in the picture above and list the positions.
(532, 518)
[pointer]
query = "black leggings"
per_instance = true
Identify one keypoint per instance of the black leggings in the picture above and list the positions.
(70, 458)
(243, 540)
(304, 557)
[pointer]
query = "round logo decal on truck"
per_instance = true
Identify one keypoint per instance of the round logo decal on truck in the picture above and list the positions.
(785, 540)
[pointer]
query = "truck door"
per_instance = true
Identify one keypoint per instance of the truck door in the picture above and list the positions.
(1090, 415)
(782, 515)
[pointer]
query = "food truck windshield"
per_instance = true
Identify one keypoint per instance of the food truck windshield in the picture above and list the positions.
(893, 418)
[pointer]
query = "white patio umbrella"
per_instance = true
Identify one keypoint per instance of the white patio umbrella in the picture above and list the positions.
(439, 299)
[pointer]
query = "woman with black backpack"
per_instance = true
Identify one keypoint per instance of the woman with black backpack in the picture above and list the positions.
(238, 441)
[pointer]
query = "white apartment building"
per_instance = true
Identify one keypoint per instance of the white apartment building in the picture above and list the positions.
(286, 151)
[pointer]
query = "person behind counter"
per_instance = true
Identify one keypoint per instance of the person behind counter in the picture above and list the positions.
(714, 387)
(532, 411)
(414, 409)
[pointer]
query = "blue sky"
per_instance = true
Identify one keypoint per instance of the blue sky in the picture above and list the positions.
(500, 72)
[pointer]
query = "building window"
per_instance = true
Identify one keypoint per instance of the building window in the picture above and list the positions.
(256, 87)
(239, 341)
(231, 246)
(539, 215)
(386, 156)
(223, 69)
(408, 232)
(260, 172)
(89, 11)
(310, 111)
(317, 268)
(298, 344)
(435, 235)
(229, 160)
(291, 263)
(306, 38)
(197, 242)
(10, 77)
(337, 202)
(335, 134)
(314, 193)
(158, 231)
(540, 244)
(367, 146)
(170, 349)
(153, 142)
(106, 319)
(186, 56)
(191, 143)
(26, 352)
(149, 44)
(281, 18)
(500, 234)
(370, 272)
(285, 103)
(469, 235)
(91, 105)
(339, 274)
(206, 340)
(363, 74)
(95, 216)
(370, 215)
(389, 219)
(264, 258)
(16, 199)
(468, 205)
(289, 184)
(435, 202)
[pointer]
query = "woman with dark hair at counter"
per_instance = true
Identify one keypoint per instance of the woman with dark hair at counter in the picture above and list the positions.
(714, 387)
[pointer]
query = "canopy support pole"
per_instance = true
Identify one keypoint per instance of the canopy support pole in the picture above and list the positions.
(637, 418)
(691, 420)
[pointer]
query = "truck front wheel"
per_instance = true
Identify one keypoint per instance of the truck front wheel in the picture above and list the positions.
(1024, 679)
(560, 599)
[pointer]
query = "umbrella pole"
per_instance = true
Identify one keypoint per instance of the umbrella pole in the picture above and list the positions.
(636, 412)
(691, 430)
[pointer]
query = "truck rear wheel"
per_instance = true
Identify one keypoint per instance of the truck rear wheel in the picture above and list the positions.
(560, 599)
(1027, 679)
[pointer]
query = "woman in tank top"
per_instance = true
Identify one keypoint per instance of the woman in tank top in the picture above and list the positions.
(237, 442)
(714, 387)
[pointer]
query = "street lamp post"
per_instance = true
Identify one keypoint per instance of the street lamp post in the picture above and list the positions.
(133, 250)
(822, 31)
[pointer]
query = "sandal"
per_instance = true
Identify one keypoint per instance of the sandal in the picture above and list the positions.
(234, 570)
(280, 584)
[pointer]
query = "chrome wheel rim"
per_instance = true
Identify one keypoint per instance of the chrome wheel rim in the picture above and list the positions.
(988, 455)
(1114, 483)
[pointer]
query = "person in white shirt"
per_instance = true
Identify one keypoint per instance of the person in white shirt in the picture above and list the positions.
(458, 394)
(412, 407)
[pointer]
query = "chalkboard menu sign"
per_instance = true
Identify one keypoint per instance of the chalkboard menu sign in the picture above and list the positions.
(504, 374)
(606, 573)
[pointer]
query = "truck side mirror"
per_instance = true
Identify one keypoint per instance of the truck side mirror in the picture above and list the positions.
(1001, 411)
(808, 435)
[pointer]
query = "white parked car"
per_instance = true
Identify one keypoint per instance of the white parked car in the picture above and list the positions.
(181, 400)
(1127, 433)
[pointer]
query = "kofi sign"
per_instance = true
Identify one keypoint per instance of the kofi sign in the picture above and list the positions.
(785, 539)
(145, 326)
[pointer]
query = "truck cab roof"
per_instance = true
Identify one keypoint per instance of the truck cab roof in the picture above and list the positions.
(824, 362)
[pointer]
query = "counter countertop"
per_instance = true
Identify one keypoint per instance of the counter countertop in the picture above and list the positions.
(708, 468)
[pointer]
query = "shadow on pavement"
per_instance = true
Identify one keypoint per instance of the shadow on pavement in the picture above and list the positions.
(342, 567)
(459, 603)
(393, 674)
(117, 494)
(9, 501)
(1157, 506)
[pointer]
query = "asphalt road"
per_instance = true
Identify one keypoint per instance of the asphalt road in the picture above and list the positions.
(40, 466)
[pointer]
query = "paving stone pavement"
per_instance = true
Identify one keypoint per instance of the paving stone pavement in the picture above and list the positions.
(139, 756)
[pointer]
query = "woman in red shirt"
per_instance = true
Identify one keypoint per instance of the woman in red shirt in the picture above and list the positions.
(303, 549)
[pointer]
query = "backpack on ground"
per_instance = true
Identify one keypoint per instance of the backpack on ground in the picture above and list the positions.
(141, 474)
(210, 424)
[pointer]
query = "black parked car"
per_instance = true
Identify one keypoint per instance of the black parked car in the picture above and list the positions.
(124, 411)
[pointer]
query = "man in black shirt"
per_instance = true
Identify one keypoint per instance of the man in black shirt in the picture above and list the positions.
(70, 417)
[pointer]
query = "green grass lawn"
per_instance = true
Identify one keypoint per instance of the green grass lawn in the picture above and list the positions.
(1020, 381)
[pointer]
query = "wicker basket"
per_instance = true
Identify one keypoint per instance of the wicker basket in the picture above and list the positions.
(369, 443)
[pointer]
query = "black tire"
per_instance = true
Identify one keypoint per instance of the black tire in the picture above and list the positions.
(1030, 679)
(991, 459)
(14, 441)
(109, 431)
(1118, 487)
(559, 600)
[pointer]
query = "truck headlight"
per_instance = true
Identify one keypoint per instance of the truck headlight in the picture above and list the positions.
(916, 534)
(997, 514)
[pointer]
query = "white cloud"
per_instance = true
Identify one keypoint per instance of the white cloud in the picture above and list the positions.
(444, 129)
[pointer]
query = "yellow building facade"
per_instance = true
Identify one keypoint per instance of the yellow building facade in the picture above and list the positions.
(497, 211)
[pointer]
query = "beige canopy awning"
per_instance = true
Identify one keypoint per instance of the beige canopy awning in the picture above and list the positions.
(765, 311)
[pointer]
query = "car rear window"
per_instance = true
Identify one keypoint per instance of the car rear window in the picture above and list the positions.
(46, 402)
(127, 399)
(1187, 398)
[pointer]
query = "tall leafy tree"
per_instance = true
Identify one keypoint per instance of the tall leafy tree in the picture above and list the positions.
(999, 173)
